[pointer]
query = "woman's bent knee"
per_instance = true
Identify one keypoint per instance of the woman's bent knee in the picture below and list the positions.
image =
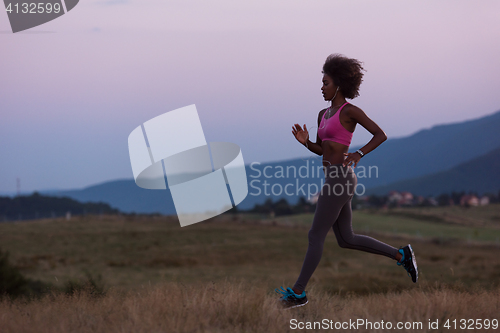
(343, 244)
(315, 239)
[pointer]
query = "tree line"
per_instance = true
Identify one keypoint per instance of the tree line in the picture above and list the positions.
(37, 206)
(282, 207)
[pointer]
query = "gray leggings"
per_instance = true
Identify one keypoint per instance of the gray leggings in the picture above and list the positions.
(333, 210)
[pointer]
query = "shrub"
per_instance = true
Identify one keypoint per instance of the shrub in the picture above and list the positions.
(12, 282)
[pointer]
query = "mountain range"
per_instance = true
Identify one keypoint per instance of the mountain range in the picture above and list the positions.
(458, 156)
(481, 174)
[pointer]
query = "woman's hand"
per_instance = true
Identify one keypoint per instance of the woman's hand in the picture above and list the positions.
(300, 134)
(351, 158)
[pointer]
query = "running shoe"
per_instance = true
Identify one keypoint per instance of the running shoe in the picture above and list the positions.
(290, 299)
(409, 262)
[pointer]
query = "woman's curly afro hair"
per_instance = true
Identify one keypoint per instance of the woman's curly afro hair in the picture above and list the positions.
(345, 72)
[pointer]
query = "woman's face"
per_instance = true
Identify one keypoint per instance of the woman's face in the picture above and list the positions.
(329, 88)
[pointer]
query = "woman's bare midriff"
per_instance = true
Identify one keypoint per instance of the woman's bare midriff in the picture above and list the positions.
(333, 152)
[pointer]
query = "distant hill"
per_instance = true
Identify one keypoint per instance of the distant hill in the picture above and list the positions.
(424, 153)
(481, 174)
(432, 150)
(126, 196)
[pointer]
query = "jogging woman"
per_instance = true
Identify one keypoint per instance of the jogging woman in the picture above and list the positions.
(341, 79)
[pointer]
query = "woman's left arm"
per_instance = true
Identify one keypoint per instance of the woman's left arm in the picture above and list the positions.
(358, 116)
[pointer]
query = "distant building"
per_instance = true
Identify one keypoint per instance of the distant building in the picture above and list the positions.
(433, 201)
(400, 198)
(484, 201)
(472, 200)
(407, 198)
(394, 197)
(469, 200)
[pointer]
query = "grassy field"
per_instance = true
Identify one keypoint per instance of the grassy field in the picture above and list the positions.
(473, 224)
(236, 307)
(218, 263)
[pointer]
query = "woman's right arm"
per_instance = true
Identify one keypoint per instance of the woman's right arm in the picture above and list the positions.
(302, 135)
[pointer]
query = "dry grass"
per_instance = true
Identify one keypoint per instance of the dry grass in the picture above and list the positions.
(237, 307)
(481, 216)
(219, 275)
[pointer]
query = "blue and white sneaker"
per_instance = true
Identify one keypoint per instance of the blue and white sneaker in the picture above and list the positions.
(409, 262)
(290, 299)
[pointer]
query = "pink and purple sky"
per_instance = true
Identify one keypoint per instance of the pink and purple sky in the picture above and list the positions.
(73, 89)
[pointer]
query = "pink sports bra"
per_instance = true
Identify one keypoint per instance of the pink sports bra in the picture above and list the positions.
(332, 130)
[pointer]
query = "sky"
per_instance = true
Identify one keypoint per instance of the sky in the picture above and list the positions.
(73, 89)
